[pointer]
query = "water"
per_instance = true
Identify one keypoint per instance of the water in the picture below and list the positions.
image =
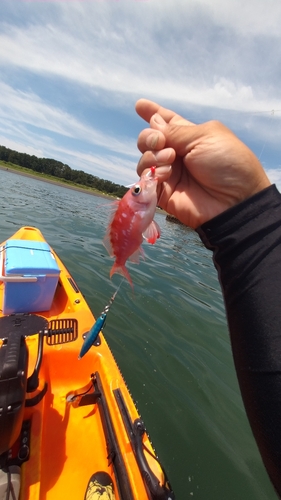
(169, 337)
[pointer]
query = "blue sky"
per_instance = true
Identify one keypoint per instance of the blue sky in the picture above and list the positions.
(71, 71)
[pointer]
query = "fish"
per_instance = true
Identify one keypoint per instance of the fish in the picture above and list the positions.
(132, 223)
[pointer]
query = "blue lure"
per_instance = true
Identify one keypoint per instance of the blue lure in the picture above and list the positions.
(97, 327)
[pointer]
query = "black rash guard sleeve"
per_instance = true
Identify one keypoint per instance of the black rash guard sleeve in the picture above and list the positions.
(246, 245)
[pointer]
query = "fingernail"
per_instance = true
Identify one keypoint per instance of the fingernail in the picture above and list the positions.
(158, 120)
(163, 156)
(152, 140)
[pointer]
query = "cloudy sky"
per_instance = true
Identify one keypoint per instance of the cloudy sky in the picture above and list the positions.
(71, 71)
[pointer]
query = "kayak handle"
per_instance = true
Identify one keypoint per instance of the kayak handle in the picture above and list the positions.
(135, 431)
(157, 491)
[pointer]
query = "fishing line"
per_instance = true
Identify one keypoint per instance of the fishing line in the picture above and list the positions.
(97, 327)
(272, 113)
(163, 188)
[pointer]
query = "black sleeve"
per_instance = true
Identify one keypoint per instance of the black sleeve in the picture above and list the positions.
(246, 245)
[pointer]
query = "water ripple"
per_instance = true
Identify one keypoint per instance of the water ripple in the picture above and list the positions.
(169, 337)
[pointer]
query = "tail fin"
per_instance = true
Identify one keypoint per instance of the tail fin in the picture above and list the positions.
(121, 270)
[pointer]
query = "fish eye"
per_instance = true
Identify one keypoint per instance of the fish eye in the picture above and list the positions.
(136, 190)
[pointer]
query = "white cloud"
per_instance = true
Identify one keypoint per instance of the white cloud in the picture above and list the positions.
(208, 57)
(274, 176)
(26, 107)
(25, 110)
(253, 17)
(19, 146)
(197, 66)
(119, 170)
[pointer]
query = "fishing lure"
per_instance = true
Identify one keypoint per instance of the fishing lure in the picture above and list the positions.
(97, 327)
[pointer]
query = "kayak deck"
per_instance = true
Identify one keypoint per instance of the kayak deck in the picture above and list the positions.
(80, 418)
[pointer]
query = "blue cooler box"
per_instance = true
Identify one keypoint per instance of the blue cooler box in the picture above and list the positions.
(30, 276)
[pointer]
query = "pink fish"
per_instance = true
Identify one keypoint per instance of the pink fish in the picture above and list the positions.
(131, 223)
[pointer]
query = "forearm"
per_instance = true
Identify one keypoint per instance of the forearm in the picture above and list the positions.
(246, 245)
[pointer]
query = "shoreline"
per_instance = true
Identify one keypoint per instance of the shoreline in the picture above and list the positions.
(65, 185)
(56, 182)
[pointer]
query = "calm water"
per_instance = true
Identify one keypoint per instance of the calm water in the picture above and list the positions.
(169, 338)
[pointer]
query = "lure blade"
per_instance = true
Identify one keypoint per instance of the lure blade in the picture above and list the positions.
(97, 326)
(92, 335)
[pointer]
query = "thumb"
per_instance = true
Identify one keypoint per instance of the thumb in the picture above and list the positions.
(179, 132)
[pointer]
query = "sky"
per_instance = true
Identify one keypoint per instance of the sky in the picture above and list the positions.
(71, 72)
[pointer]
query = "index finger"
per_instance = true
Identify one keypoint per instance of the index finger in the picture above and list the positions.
(146, 109)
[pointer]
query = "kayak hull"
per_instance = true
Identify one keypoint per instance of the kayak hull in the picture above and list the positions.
(77, 414)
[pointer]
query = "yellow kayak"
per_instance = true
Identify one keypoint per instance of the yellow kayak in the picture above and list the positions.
(69, 428)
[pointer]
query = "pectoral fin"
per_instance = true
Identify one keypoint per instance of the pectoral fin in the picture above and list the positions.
(152, 233)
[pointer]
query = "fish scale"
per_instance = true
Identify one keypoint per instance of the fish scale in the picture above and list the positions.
(133, 222)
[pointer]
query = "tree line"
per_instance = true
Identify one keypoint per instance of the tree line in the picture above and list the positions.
(61, 170)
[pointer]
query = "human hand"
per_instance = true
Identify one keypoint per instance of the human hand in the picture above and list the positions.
(212, 170)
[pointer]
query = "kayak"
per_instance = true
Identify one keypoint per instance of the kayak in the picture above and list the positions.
(68, 427)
